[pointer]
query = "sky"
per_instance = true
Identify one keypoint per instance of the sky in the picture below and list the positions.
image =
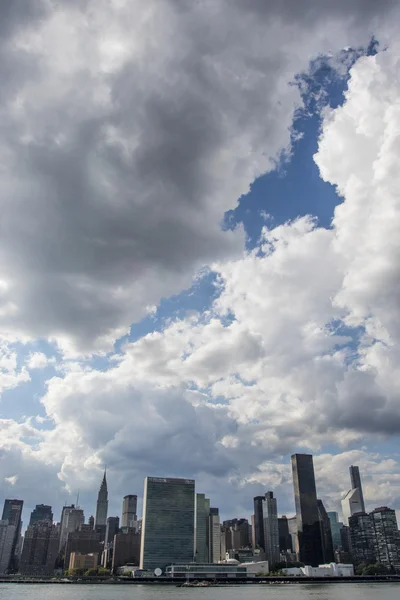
(200, 250)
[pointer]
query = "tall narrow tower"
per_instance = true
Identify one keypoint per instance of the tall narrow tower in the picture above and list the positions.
(356, 484)
(102, 503)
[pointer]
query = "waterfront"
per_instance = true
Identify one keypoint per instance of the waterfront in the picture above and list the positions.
(339, 591)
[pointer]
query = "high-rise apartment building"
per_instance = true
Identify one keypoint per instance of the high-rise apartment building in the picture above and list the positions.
(42, 512)
(356, 484)
(326, 533)
(362, 538)
(40, 549)
(72, 518)
(201, 534)
(12, 512)
(215, 536)
(309, 543)
(387, 537)
(168, 522)
(7, 536)
(259, 522)
(351, 504)
(129, 511)
(102, 504)
(271, 530)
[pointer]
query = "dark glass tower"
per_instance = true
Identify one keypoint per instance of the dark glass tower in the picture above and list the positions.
(308, 527)
(356, 483)
(259, 522)
(326, 533)
(12, 512)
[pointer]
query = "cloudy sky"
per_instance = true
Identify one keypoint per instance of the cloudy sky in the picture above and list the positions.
(200, 250)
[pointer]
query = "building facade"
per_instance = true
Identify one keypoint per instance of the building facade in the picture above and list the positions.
(351, 504)
(129, 510)
(83, 561)
(336, 526)
(309, 543)
(111, 529)
(355, 479)
(102, 504)
(12, 512)
(326, 534)
(85, 540)
(40, 549)
(259, 522)
(168, 522)
(71, 519)
(42, 512)
(285, 539)
(7, 536)
(362, 538)
(126, 549)
(271, 529)
(387, 537)
(202, 534)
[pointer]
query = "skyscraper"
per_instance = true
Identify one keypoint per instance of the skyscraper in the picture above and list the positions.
(356, 484)
(309, 543)
(215, 532)
(129, 508)
(387, 537)
(7, 535)
(168, 522)
(351, 504)
(271, 530)
(326, 533)
(102, 504)
(362, 538)
(40, 549)
(201, 536)
(111, 529)
(71, 519)
(285, 539)
(12, 512)
(259, 522)
(336, 526)
(42, 512)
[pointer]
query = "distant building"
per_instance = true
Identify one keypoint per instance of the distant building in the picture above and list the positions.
(259, 522)
(336, 526)
(387, 537)
(202, 524)
(72, 518)
(102, 504)
(188, 571)
(129, 510)
(7, 536)
(42, 512)
(271, 530)
(285, 539)
(168, 522)
(83, 561)
(237, 534)
(362, 538)
(84, 541)
(292, 525)
(12, 512)
(351, 504)
(126, 549)
(309, 543)
(356, 484)
(326, 533)
(40, 549)
(111, 529)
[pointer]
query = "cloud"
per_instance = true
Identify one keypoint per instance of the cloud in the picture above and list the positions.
(10, 374)
(127, 132)
(37, 360)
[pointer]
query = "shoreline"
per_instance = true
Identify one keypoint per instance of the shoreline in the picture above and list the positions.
(219, 583)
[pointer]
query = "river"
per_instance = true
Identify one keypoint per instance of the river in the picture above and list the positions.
(335, 591)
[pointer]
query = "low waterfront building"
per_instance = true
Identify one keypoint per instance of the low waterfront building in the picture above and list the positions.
(231, 570)
(83, 561)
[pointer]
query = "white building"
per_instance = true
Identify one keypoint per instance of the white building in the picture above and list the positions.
(329, 570)
(351, 504)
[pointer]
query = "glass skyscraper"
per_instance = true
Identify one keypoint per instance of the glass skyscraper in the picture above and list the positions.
(202, 536)
(12, 512)
(309, 543)
(271, 530)
(168, 522)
